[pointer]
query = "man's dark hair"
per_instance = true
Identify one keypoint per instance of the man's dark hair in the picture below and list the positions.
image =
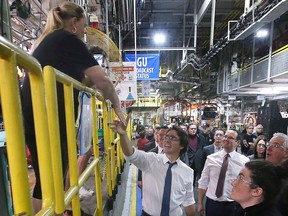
(183, 138)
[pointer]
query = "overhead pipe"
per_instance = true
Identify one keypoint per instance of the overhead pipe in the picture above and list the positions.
(195, 23)
(212, 24)
(39, 6)
(107, 17)
(200, 63)
(135, 30)
(270, 52)
(184, 24)
(128, 15)
(124, 15)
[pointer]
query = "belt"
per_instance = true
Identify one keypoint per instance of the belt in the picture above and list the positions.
(145, 214)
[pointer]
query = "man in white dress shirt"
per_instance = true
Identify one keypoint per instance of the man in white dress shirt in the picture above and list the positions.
(157, 148)
(215, 147)
(220, 205)
(154, 168)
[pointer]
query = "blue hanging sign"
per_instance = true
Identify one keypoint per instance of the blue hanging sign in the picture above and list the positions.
(147, 65)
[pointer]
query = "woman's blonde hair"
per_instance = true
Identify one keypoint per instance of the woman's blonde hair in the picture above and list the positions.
(56, 19)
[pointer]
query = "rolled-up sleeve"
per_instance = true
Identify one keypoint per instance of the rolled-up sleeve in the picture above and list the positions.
(205, 176)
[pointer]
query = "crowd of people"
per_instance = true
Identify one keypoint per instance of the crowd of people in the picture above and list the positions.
(236, 173)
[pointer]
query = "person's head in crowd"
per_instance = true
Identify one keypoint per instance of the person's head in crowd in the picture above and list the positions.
(146, 129)
(156, 134)
(162, 132)
(150, 131)
(183, 127)
(260, 146)
(192, 129)
(218, 137)
(175, 141)
(259, 129)
(259, 181)
(206, 128)
(277, 149)
(233, 125)
(249, 129)
(231, 140)
(68, 16)
(142, 134)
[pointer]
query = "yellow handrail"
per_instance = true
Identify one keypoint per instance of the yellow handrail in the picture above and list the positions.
(45, 109)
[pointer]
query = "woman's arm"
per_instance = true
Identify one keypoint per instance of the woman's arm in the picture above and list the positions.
(102, 82)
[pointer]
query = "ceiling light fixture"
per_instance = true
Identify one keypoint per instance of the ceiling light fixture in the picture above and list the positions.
(262, 33)
(159, 38)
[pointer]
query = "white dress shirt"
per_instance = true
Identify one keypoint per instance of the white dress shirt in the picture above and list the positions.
(211, 172)
(154, 168)
(216, 148)
(160, 150)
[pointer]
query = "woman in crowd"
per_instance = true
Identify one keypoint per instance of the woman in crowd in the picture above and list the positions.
(256, 188)
(260, 146)
(61, 46)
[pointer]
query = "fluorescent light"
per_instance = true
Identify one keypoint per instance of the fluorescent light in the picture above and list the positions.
(262, 33)
(159, 38)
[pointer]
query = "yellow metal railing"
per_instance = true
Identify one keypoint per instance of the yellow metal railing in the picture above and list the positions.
(45, 108)
(51, 76)
(10, 57)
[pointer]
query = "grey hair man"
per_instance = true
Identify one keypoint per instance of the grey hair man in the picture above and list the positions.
(277, 149)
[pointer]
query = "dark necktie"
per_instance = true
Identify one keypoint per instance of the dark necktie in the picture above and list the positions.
(167, 191)
(221, 179)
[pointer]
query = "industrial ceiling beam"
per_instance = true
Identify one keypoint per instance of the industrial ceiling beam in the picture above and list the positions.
(160, 49)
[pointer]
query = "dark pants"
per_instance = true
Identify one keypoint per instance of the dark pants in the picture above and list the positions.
(144, 213)
(216, 208)
(31, 143)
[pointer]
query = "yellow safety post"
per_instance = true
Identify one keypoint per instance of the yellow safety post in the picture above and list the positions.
(113, 177)
(99, 208)
(41, 128)
(95, 128)
(71, 142)
(119, 152)
(12, 115)
(109, 180)
(53, 122)
(106, 130)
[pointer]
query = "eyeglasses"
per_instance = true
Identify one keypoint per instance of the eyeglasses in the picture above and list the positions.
(171, 138)
(193, 128)
(229, 137)
(241, 179)
(250, 128)
(275, 145)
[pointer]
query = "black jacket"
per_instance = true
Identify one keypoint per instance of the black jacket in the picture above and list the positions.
(195, 156)
(261, 209)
